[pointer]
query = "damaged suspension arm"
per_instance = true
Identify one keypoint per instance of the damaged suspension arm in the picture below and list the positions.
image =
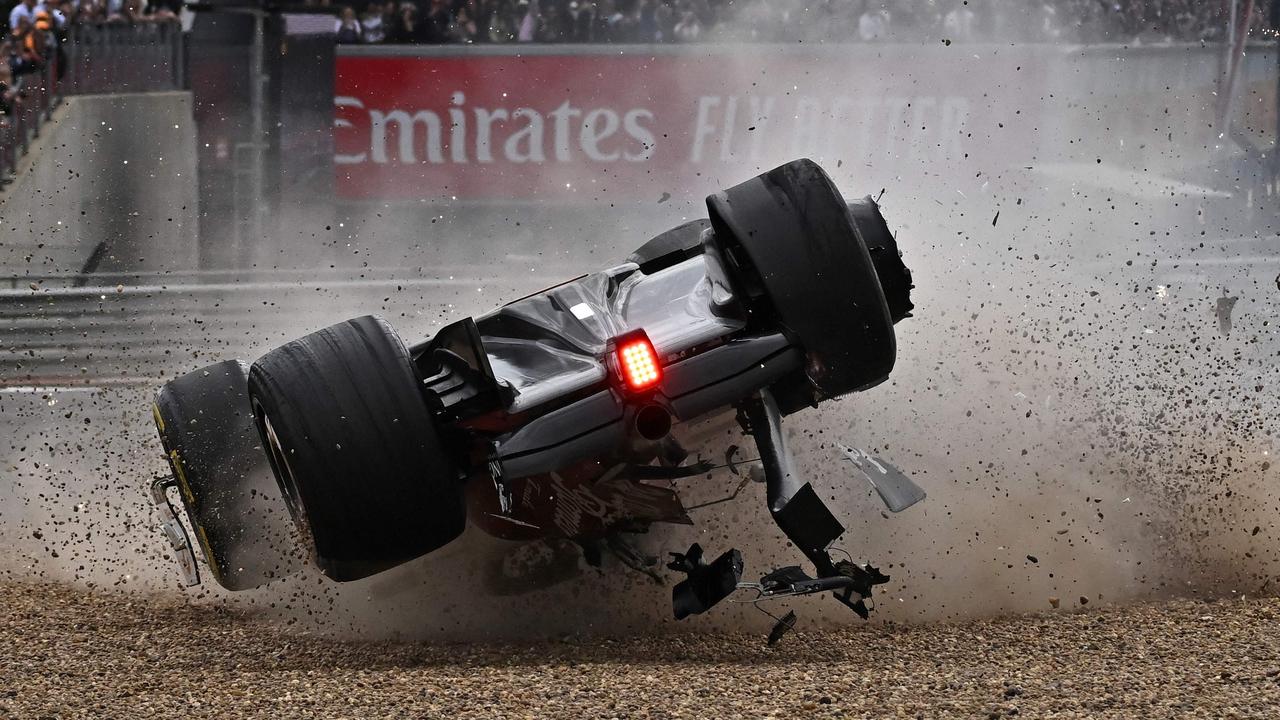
(802, 517)
(796, 507)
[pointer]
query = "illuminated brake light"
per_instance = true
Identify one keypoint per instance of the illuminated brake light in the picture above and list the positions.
(638, 363)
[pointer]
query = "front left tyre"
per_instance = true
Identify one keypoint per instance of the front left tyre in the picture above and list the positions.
(357, 454)
(223, 477)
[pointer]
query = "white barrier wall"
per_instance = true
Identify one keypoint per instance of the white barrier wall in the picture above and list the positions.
(116, 171)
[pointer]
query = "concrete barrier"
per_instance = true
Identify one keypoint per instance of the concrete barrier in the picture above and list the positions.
(110, 184)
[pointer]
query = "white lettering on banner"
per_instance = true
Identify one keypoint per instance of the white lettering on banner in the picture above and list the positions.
(725, 128)
(848, 125)
(726, 139)
(484, 121)
(562, 115)
(531, 134)
(702, 127)
(600, 134)
(342, 101)
(458, 130)
(631, 126)
(593, 131)
(380, 122)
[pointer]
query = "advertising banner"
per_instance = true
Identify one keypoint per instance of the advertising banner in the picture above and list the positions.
(623, 124)
(565, 123)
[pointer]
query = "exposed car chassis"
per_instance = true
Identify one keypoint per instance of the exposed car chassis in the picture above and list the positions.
(552, 416)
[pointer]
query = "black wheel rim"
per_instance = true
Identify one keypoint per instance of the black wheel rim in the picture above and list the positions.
(283, 472)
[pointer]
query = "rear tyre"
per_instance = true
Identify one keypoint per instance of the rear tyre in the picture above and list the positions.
(355, 450)
(796, 256)
(223, 476)
(895, 278)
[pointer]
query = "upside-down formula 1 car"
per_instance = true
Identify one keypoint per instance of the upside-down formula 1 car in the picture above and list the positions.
(552, 416)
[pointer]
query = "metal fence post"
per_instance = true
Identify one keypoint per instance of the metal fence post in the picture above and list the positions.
(37, 109)
(51, 88)
(179, 57)
(70, 50)
(6, 153)
(22, 129)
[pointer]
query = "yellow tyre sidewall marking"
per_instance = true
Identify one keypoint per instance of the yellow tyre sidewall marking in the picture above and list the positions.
(179, 473)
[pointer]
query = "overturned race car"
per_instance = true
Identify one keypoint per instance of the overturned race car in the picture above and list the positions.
(521, 419)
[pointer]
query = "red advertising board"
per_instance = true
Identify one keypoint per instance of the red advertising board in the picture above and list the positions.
(606, 124)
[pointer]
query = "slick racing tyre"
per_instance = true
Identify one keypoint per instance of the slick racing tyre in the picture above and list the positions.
(797, 257)
(895, 278)
(355, 449)
(226, 485)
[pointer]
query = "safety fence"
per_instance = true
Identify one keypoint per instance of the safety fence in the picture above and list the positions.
(91, 59)
(37, 96)
(139, 57)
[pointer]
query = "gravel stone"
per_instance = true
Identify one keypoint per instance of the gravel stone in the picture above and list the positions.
(67, 653)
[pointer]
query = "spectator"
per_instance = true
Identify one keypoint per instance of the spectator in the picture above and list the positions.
(647, 30)
(617, 25)
(88, 11)
(166, 10)
(660, 21)
(558, 22)
(134, 12)
(664, 17)
(584, 22)
(688, 28)
(347, 27)
(372, 29)
(24, 10)
(502, 22)
(624, 22)
(464, 29)
(403, 27)
(114, 10)
(527, 26)
(482, 13)
(436, 22)
(8, 87)
(40, 38)
(25, 50)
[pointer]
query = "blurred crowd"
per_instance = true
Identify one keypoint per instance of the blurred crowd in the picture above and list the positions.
(37, 30)
(31, 42)
(662, 21)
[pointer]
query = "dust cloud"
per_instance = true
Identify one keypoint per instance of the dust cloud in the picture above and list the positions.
(1084, 430)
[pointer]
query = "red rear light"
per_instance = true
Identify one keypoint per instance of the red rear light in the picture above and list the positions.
(638, 362)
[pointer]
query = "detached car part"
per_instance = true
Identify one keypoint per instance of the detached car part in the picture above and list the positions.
(551, 416)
